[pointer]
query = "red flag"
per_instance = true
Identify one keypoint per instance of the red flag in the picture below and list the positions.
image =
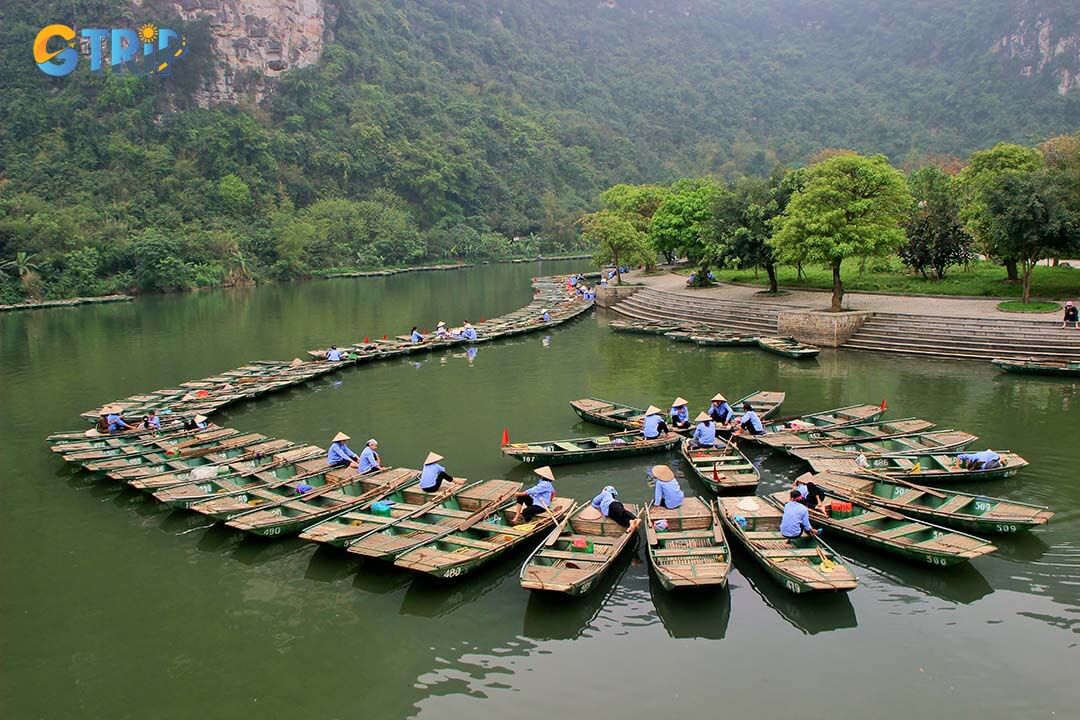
(383, 337)
(506, 437)
(482, 318)
(367, 339)
(715, 474)
(884, 407)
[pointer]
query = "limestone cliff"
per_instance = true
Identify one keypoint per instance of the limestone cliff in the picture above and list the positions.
(1039, 44)
(254, 41)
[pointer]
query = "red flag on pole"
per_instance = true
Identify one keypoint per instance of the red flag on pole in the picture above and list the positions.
(367, 339)
(383, 337)
(715, 474)
(506, 437)
(884, 407)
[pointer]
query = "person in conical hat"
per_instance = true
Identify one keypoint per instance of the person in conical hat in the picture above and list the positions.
(667, 493)
(545, 316)
(433, 474)
(607, 502)
(468, 331)
(369, 457)
(333, 354)
(440, 330)
(536, 499)
(704, 433)
(720, 411)
(114, 421)
(340, 455)
(680, 413)
(653, 424)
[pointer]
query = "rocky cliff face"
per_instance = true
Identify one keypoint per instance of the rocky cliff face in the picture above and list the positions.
(254, 41)
(1039, 44)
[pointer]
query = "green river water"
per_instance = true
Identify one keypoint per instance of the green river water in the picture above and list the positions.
(112, 607)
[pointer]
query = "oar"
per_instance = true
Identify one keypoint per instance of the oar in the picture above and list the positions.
(422, 509)
(246, 457)
(554, 535)
(900, 481)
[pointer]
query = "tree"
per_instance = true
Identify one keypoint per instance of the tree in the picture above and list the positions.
(26, 270)
(936, 238)
(851, 206)
(1028, 217)
(617, 240)
(742, 222)
(638, 204)
(681, 221)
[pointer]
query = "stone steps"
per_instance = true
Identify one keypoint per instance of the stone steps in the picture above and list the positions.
(900, 345)
(728, 320)
(983, 341)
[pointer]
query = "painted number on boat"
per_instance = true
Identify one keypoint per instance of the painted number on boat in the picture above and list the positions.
(936, 560)
(898, 491)
(272, 531)
(1005, 528)
(452, 572)
(983, 506)
(792, 585)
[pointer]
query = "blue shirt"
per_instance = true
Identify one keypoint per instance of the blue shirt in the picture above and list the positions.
(153, 421)
(333, 355)
(429, 474)
(796, 519)
(541, 493)
(669, 492)
(750, 418)
(339, 452)
(705, 434)
(416, 336)
(469, 333)
(602, 502)
(116, 423)
(985, 457)
(547, 317)
(368, 459)
(650, 427)
(680, 414)
(722, 412)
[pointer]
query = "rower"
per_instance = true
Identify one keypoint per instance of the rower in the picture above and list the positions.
(720, 411)
(668, 493)
(433, 474)
(415, 336)
(340, 455)
(545, 316)
(369, 457)
(985, 460)
(440, 330)
(333, 354)
(536, 499)
(680, 414)
(750, 422)
(609, 506)
(151, 421)
(468, 331)
(115, 421)
(102, 425)
(811, 495)
(796, 518)
(653, 424)
(704, 433)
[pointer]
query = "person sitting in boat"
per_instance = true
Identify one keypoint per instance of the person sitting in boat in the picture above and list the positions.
(704, 433)
(340, 454)
(653, 424)
(536, 499)
(811, 495)
(1071, 315)
(151, 421)
(680, 414)
(668, 494)
(196, 423)
(796, 518)
(115, 421)
(415, 336)
(369, 457)
(441, 332)
(433, 475)
(750, 422)
(468, 331)
(985, 460)
(545, 316)
(720, 411)
(102, 425)
(609, 506)
(333, 354)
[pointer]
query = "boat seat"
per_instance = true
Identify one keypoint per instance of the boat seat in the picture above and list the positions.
(564, 555)
(906, 529)
(721, 468)
(784, 552)
(954, 504)
(681, 552)
(470, 543)
(858, 519)
(684, 534)
(903, 463)
(571, 447)
(496, 528)
(945, 460)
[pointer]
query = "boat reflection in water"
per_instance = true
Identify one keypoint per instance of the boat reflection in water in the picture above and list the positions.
(432, 597)
(692, 613)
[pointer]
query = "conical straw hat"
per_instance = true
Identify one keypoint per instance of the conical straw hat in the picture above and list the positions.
(719, 398)
(702, 417)
(432, 457)
(200, 418)
(679, 401)
(545, 472)
(652, 409)
(663, 472)
(341, 437)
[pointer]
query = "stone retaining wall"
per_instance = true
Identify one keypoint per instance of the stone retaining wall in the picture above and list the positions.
(608, 295)
(816, 327)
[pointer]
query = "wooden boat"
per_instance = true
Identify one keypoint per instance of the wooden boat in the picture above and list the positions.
(69, 442)
(642, 327)
(278, 488)
(912, 444)
(897, 534)
(223, 464)
(459, 512)
(837, 417)
(1030, 366)
(293, 515)
(975, 513)
(603, 447)
(788, 347)
(231, 478)
(723, 339)
(828, 436)
(936, 468)
(724, 469)
(161, 460)
(612, 414)
(465, 550)
(801, 565)
(133, 447)
(681, 336)
(556, 567)
(692, 551)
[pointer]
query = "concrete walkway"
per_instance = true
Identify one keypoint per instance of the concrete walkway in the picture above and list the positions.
(912, 304)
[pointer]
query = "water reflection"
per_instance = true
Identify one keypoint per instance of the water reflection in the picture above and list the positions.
(432, 597)
(695, 613)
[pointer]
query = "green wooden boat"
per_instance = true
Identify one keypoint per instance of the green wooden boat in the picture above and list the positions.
(896, 534)
(224, 464)
(936, 468)
(555, 566)
(85, 440)
(837, 417)
(829, 436)
(691, 552)
(723, 339)
(464, 550)
(974, 513)
(788, 347)
(1070, 368)
(910, 444)
(127, 449)
(603, 447)
(459, 512)
(281, 487)
(635, 327)
(128, 470)
(766, 403)
(800, 565)
(680, 336)
(293, 515)
(724, 469)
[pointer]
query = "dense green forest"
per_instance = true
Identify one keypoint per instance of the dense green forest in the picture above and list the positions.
(434, 129)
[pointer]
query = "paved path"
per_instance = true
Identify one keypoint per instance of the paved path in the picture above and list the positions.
(915, 305)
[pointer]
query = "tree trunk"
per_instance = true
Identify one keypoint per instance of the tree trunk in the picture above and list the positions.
(618, 274)
(837, 286)
(770, 268)
(1028, 267)
(1010, 269)
(798, 271)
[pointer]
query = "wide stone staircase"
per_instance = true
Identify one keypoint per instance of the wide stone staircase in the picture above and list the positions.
(968, 338)
(649, 304)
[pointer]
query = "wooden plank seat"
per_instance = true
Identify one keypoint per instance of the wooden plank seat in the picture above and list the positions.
(684, 552)
(954, 504)
(564, 555)
(792, 552)
(471, 543)
(905, 529)
(571, 447)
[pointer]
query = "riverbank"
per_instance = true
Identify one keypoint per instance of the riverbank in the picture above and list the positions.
(69, 302)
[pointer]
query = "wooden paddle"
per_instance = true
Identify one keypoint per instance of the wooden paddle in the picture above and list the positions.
(555, 533)
(901, 481)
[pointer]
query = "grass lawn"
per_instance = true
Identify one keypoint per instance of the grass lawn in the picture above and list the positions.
(983, 279)
(1015, 306)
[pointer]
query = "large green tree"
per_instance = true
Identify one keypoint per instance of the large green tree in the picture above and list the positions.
(936, 239)
(681, 222)
(615, 239)
(851, 206)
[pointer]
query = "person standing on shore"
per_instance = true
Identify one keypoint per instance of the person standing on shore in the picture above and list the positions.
(1071, 316)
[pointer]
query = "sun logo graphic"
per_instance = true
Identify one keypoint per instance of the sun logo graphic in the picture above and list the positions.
(147, 50)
